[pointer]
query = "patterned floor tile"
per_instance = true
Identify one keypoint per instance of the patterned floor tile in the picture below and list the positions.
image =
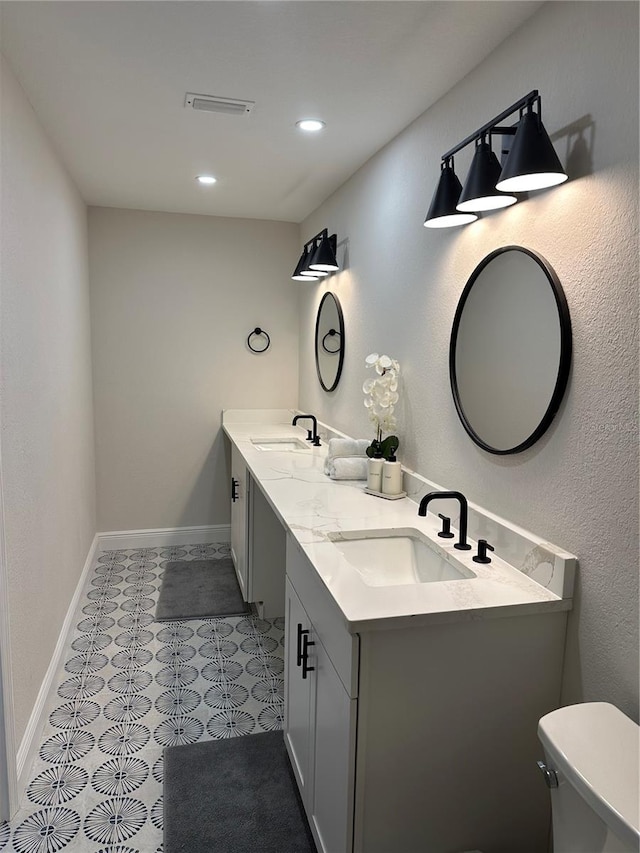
(128, 687)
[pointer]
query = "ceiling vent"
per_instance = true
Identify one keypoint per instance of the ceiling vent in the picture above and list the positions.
(214, 104)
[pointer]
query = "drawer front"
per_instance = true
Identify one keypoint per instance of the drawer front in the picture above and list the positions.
(328, 621)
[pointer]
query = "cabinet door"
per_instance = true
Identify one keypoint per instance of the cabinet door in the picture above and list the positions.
(334, 728)
(320, 731)
(266, 554)
(297, 693)
(239, 522)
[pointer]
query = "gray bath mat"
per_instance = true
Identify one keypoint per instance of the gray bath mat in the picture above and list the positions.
(233, 796)
(199, 589)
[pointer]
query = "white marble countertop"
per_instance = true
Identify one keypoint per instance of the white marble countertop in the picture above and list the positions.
(310, 505)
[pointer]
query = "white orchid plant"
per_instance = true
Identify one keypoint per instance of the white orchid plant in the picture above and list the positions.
(380, 398)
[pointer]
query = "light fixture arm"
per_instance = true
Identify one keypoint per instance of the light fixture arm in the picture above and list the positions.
(313, 242)
(491, 126)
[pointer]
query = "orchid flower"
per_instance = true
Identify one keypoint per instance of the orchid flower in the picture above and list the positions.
(381, 392)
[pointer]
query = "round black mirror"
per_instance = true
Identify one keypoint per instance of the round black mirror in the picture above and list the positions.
(329, 341)
(510, 350)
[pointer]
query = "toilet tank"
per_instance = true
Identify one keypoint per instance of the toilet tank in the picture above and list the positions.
(594, 750)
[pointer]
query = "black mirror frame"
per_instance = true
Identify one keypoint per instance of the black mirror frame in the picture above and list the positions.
(341, 333)
(564, 364)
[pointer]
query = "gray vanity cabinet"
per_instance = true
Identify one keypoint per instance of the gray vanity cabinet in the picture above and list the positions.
(422, 737)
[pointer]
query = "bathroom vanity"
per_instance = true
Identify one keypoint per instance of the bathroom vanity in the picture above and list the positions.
(411, 698)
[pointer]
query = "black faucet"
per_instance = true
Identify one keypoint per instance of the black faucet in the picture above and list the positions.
(464, 510)
(311, 436)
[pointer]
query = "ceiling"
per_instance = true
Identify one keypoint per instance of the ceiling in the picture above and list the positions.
(108, 82)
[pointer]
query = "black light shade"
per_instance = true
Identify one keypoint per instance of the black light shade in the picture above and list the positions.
(442, 212)
(303, 264)
(532, 163)
(323, 257)
(479, 191)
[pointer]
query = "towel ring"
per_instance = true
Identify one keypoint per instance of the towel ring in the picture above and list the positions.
(259, 332)
(331, 333)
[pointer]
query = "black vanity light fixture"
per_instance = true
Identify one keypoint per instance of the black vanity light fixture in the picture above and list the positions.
(318, 258)
(531, 164)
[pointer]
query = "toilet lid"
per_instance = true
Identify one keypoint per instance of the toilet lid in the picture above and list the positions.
(597, 749)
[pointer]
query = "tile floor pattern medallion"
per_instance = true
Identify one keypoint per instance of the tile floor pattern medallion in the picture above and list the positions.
(129, 687)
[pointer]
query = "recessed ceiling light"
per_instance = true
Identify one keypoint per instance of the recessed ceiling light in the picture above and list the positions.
(310, 124)
(206, 179)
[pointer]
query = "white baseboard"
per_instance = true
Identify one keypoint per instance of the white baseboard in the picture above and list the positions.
(164, 537)
(31, 739)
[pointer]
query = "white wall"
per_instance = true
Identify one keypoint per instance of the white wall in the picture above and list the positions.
(46, 411)
(173, 299)
(578, 486)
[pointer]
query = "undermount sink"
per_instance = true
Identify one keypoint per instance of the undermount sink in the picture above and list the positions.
(395, 557)
(281, 444)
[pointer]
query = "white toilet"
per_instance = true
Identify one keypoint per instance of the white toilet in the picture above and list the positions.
(592, 756)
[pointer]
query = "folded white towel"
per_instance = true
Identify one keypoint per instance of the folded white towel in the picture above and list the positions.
(348, 468)
(347, 447)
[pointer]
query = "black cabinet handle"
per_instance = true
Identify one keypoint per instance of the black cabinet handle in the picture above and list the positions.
(306, 642)
(234, 489)
(301, 632)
